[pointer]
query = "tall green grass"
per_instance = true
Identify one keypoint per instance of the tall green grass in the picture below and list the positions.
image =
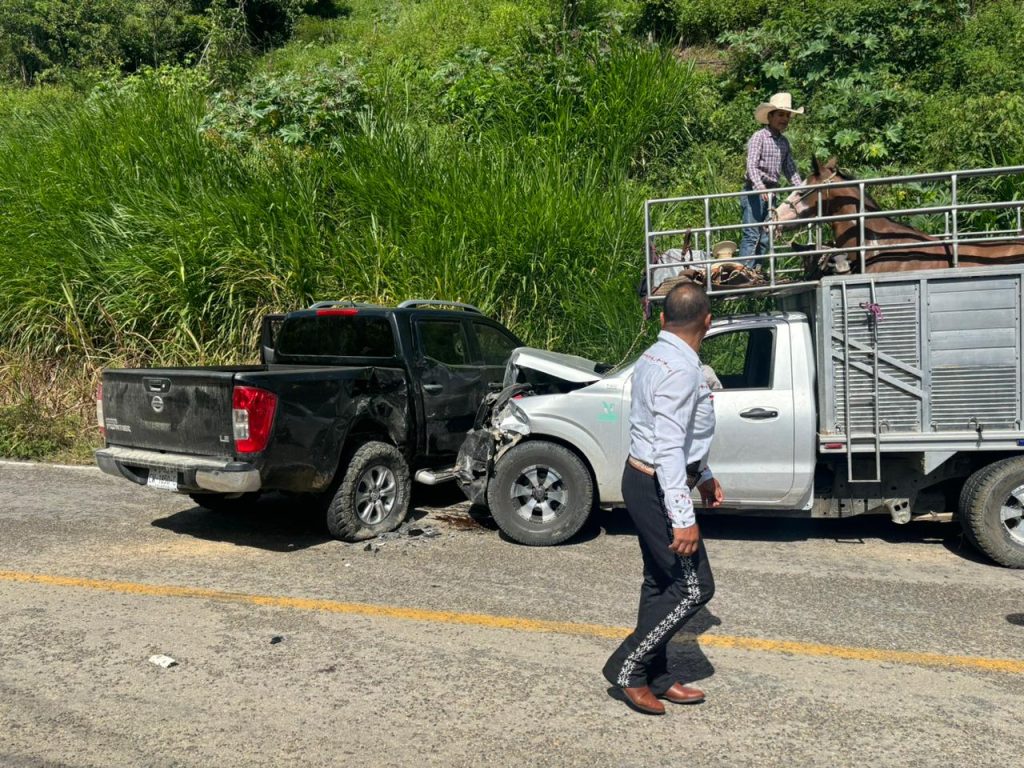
(127, 235)
(502, 159)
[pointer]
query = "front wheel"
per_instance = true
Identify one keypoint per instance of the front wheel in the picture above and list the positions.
(373, 496)
(992, 511)
(541, 494)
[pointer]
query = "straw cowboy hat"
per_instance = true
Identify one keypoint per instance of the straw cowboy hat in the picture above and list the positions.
(722, 252)
(779, 102)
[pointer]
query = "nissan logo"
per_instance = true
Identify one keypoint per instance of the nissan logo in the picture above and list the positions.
(158, 403)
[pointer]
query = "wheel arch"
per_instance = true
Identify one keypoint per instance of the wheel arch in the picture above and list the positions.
(362, 430)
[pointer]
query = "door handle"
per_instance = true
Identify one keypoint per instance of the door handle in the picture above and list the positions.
(432, 388)
(759, 413)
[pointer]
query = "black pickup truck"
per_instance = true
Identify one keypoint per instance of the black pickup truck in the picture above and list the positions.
(349, 402)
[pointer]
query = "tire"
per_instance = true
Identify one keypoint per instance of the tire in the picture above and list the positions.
(225, 503)
(992, 511)
(541, 493)
(373, 496)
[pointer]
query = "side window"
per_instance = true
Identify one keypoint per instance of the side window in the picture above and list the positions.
(495, 345)
(741, 359)
(444, 341)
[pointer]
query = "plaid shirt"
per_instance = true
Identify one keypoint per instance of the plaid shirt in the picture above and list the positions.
(768, 153)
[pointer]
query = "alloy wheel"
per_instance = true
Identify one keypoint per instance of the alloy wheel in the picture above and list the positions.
(376, 491)
(1011, 514)
(539, 494)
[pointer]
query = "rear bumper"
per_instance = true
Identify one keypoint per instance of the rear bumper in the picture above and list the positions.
(194, 473)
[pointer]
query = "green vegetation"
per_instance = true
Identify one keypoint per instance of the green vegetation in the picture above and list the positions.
(170, 170)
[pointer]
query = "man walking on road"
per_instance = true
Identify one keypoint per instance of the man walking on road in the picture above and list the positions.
(671, 423)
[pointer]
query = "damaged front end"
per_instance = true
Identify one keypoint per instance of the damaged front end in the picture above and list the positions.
(501, 423)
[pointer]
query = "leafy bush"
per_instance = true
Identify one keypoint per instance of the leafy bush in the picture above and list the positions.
(858, 63)
(695, 22)
(294, 108)
(977, 131)
(703, 21)
(40, 38)
(597, 93)
(658, 19)
(60, 39)
(983, 58)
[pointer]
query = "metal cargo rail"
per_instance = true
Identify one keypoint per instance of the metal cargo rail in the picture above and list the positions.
(956, 207)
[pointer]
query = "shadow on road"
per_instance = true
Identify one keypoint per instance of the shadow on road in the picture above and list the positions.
(282, 523)
(274, 522)
(851, 530)
(685, 656)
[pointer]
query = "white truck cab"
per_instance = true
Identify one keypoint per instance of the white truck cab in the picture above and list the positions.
(897, 393)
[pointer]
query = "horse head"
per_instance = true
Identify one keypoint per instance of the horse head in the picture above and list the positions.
(803, 203)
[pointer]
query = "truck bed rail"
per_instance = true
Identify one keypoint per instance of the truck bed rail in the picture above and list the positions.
(956, 207)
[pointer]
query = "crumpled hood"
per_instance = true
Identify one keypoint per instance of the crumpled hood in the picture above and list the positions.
(569, 368)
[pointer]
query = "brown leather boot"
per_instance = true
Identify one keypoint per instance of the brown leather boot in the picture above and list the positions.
(683, 694)
(643, 699)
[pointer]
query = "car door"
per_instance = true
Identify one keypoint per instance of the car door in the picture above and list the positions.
(753, 452)
(451, 383)
(494, 347)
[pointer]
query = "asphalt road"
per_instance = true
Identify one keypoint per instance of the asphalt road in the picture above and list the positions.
(829, 643)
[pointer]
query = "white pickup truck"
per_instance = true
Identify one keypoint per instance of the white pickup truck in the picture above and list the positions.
(893, 393)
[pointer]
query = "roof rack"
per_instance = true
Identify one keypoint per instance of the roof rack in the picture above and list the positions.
(339, 303)
(409, 303)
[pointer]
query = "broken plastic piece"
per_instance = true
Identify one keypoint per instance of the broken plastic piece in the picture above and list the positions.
(162, 661)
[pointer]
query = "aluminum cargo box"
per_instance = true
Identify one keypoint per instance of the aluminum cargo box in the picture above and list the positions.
(927, 360)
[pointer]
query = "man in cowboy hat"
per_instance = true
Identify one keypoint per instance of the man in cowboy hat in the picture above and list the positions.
(768, 156)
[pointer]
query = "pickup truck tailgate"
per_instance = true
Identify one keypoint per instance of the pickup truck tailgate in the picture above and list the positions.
(171, 409)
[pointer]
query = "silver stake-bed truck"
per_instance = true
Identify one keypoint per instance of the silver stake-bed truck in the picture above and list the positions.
(895, 393)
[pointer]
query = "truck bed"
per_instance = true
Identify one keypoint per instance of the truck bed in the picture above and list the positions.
(920, 360)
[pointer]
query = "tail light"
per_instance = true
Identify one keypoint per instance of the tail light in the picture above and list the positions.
(252, 415)
(99, 409)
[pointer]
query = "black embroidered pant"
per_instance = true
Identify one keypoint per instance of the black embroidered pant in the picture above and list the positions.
(674, 589)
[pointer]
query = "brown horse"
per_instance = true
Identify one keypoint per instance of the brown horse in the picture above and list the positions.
(923, 251)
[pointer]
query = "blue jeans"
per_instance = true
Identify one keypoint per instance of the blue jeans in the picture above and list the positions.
(755, 239)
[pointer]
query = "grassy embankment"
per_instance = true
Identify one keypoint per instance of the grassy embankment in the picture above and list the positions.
(486, 156)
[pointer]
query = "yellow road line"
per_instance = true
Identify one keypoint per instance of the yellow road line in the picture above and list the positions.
(1011, 666)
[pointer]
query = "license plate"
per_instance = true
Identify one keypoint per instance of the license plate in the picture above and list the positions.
(162, 479)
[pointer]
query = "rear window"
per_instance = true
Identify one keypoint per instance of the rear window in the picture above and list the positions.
(336, 336)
